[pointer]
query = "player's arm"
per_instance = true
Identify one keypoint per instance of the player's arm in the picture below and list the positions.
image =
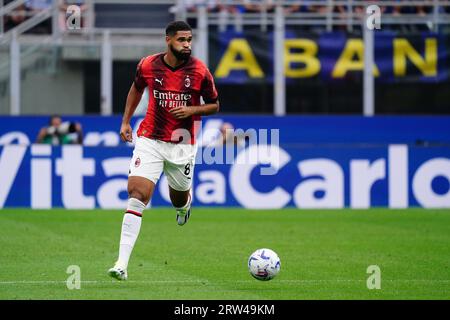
(203, 110)
(133, 98)
(206, 109)
(210, 96)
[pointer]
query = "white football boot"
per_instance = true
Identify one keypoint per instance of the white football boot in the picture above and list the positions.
(184, 213)
(118, 273)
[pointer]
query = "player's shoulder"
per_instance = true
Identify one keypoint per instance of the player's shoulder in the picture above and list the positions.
(148, 61)
(199, 65)
(196, 62)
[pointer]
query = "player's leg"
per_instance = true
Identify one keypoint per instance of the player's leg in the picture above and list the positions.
(179, 178)
(179, 168)
(145, 169)
(181, 200)
(140, 191)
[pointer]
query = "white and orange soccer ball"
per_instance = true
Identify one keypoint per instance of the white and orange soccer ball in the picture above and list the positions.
(264, 264)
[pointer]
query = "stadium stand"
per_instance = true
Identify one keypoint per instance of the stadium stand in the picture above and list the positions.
(138, 16)
(133, 29)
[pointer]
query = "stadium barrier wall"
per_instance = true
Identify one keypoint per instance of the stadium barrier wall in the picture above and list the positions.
(310, 162)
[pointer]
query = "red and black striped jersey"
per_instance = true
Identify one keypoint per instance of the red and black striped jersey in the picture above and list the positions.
(172, 87)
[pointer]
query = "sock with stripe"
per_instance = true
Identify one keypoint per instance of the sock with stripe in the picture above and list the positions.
(130, 230)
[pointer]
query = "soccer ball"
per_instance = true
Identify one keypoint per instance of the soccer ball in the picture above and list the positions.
(264, 264)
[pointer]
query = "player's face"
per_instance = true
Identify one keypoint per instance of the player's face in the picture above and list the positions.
(180, 44)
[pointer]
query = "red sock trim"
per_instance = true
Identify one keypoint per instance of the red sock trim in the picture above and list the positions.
(134, 212)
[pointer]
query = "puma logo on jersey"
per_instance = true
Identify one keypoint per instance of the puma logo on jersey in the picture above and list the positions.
(159, 81)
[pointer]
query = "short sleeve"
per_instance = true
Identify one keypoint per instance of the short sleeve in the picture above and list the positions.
(139, 81)
(208, 89)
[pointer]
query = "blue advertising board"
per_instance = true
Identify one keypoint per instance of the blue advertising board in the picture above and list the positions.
(381, 130)
(311, 162)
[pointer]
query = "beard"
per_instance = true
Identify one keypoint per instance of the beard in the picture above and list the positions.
(179, 54)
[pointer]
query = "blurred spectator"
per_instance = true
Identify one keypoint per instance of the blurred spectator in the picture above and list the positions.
(35, 7)
(361, 10)
(63, 5)
(212, 6)
(227, 6)
(192, 5)
(319, 9)
(58, 132)
(418, 9)
(313, 6)
(255, 6)
(423, 10)
(228, 137)
(292, 8)
(16, 17)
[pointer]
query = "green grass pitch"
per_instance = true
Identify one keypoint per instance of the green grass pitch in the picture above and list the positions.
(324, 254)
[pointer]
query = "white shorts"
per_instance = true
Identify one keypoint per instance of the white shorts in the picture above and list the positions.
(153, 157)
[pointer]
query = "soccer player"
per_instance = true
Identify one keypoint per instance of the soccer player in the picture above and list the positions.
(166, 137)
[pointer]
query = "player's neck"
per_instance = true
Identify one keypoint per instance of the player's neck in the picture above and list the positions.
(172, 61)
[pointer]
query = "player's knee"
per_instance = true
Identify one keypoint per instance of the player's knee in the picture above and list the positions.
(138, 194)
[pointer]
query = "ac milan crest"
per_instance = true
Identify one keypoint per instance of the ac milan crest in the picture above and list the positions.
(187, 82)
(137, 162)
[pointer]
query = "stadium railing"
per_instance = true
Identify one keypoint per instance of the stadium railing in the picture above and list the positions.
(103, 14)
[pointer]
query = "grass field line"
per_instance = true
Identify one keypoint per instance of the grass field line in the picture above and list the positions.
(219, 281)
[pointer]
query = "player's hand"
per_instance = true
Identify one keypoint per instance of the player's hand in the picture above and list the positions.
(181, 112)
(126, 133)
